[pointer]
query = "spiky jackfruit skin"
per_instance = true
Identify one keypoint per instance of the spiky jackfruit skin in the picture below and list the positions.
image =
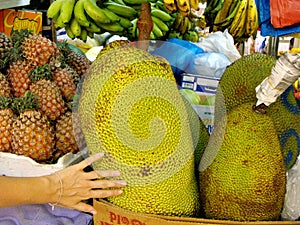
(237, 86)
(130, 108)
(242, 172)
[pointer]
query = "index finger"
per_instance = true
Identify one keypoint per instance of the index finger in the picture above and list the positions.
(88, 161)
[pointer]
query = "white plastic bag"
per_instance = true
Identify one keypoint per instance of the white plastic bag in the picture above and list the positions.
(291, 209)
(221, 42)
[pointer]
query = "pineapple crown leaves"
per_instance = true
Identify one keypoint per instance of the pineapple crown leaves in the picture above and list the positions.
(5, 102)
(64, 48)
(40, 72)
(27, 102)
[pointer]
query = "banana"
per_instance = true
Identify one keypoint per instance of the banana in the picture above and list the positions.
(194, 4)
(90, 34)
(218, 7)
(228, 20)
(237, 22)
(252, 18)
(132, 2)
(94, 28)
(84, 34)
(162, 26)
(69, 31)
(222, 13)
(152, 36)
(66, 10)
(170, 5)
(240, 30)
(157, 31)
(111, 15)
(75, 27)
(178, 21)
(79, 13)
(58, 23)
(184, 7)
(111, 27)
(54, 9)
(133, 29)
(164, 16)
(124, 22)
(121, 2)
(95, 12)
(121, 10)
(184, 25)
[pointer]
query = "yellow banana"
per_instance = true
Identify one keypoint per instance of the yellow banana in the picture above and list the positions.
(184, 25)
(66, 10)
(252, 18)
(54, 9)
(178, 21)
(194, 4)
(170, 5)
(79, 13)
(75, 27)
(225, 23)
(222, 13)
(95, 12)
(237, 21)
(184, 7)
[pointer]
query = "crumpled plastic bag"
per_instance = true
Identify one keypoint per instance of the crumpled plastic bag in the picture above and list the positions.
(211, 64)
(220, 42)
(291, 208)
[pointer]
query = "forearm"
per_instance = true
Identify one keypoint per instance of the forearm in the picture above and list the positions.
(34, 190)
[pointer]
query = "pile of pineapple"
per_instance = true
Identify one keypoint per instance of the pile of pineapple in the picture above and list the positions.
(38, 81)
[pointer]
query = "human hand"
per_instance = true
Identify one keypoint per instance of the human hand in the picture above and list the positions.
(78, 185)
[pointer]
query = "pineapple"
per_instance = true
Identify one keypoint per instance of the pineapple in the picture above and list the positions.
(5, 88)
(18, 76)
(6, 121)
(5, 46)
(64, 79)
(64, 135)
(78, 62)
(32, 132)
(48, 94)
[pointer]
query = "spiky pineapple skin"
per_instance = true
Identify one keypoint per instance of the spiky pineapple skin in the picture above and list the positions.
(5, 86)
(33, 136)
(78, 62)
(5, 44)
(6, 121)
(18, 76)
(39, 50)
(49, 98)
(64, 135)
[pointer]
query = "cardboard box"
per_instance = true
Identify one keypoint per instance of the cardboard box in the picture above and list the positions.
(11, 19)
(109, 214)
(206, 88)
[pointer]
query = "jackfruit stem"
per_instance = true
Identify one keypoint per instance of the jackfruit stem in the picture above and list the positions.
(145, 25)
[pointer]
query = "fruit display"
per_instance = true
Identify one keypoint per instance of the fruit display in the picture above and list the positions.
(38, 82)
(85, 18)
(132, 110)
(240, 17)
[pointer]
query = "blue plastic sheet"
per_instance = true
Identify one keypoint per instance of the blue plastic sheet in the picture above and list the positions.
(267, 29)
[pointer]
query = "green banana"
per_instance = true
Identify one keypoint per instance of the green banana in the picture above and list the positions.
(111, 15)
(133, 29)
(58, 23)
(157, 31)
(164, 16)
(121, 10)
(84, 34)
(218, 7)
(94, 28)
(124, 22)
(111, 27)
(95, 12)
(69, 31)
(121, 2)
(132, 2)
(184, 25)
(75, 27)
(66, 10)
(54, 9)
(79, 13)
(162, 26)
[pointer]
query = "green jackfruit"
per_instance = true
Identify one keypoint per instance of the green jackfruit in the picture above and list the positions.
(130, 109)
(242, 172)
(237, 86)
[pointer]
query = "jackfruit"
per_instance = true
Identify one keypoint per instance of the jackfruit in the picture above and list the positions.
(130, 109)
(237, 86)
(242, 172)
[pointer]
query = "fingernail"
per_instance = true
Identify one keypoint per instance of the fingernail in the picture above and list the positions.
(122, 183)
(116, 173)
(94, 212)
(120, 192)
